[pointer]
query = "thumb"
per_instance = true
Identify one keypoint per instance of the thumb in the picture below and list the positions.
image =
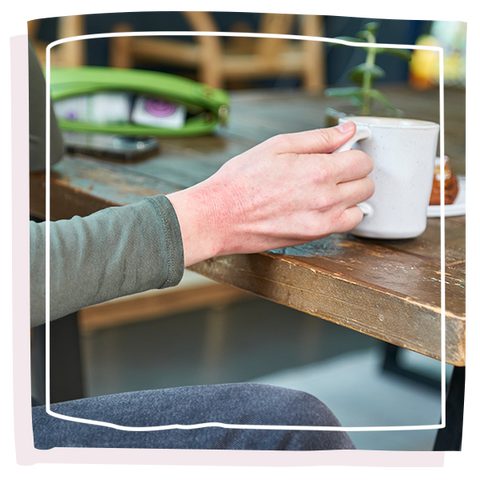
(337, 136)
(322, 140)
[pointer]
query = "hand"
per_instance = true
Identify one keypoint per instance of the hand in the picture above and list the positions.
(289, 190)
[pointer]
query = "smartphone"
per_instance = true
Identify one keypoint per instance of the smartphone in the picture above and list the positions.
(107, 146)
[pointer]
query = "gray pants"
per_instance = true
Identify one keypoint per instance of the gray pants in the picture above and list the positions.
(243, 404)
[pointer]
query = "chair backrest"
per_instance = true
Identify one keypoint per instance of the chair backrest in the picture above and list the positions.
(68, 54)
(272, 23)
(211, 50)
(217, 62)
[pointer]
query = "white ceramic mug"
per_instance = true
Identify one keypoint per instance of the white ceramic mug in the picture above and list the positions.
(403, 153)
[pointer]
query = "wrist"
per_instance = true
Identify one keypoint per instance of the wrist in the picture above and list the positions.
(202, 236)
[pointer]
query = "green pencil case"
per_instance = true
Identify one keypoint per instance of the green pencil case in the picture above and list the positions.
(205, 107)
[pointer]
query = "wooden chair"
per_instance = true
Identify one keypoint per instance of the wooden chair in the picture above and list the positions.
(69, 54)
(217, 61)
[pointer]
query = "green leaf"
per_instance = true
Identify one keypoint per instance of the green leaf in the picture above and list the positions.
(371, 27)
(376, 95)
(353, 94)
(364, 35)
(344, 92)
(357, 101)
(401, 53)
(357, 73)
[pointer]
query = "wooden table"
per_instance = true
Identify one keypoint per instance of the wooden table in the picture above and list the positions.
(390, 290)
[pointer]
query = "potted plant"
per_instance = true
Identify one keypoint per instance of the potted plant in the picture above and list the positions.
(363, 94)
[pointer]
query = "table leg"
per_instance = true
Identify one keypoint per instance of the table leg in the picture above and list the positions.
(450, 437)
(392, 364)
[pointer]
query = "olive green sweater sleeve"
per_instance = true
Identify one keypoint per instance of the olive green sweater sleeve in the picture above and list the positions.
(112, 253)
(109, 254)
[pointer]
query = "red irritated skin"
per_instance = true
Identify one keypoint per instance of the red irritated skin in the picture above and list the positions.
(286, 191)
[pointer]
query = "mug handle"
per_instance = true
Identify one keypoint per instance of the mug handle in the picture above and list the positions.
(361, 134)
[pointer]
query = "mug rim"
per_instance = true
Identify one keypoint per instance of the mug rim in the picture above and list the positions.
(389, 122)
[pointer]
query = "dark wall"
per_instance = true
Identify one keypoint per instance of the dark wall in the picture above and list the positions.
(339, 59)
(397, 32)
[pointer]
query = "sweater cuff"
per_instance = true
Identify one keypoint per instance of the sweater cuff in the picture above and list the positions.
(170, 227)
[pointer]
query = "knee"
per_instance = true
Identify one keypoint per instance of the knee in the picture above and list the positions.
(284, 406)
(304, 409)
(270, 405)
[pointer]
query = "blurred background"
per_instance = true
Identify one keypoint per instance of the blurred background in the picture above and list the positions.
(236, 337)
(334, 62)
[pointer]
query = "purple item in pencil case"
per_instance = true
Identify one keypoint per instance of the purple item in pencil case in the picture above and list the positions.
(158, 112)
(159, 108)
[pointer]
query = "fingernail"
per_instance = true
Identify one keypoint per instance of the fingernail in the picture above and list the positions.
(345, 127)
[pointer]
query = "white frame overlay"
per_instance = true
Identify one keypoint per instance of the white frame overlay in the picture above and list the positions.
(218, 424)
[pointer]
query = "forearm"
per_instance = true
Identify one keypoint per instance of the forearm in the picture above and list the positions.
(112, 253)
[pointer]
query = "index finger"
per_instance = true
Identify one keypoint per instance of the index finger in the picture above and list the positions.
(321, 140)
